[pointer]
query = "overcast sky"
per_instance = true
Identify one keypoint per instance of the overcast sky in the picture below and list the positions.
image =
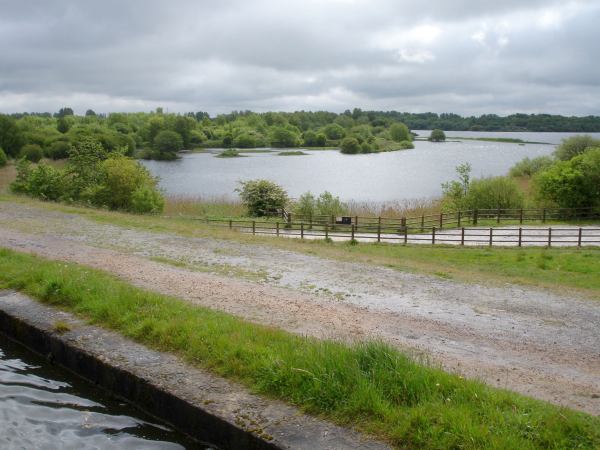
(463, 56)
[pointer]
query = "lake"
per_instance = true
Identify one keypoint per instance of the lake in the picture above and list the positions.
(378, 177)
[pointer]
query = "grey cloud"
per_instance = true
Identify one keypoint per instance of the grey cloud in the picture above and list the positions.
(336, 54)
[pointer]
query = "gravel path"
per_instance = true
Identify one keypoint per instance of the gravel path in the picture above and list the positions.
(531, 341)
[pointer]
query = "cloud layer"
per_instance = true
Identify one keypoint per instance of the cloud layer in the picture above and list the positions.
(463, 56)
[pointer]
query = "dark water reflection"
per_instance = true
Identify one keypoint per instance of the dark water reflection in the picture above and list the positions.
(43, 407)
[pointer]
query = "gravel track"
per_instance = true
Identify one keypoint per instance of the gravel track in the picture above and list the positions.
(532, 341)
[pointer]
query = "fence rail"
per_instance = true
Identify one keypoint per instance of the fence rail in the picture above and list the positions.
(473, 227)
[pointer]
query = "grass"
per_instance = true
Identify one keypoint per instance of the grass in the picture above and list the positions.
(230, 153)
(570, 268)
(292, 153)
(369, 386)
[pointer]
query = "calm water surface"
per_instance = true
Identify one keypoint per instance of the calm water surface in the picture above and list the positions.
(402, 175)
(42, 407)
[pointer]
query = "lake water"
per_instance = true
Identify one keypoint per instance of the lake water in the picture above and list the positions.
(43, 407)
(380, 177)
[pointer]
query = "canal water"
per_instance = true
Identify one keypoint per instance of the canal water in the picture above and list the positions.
(377, 177)
(45, 407)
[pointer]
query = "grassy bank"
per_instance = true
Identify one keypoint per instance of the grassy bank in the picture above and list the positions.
(498, 139)
(369, 386)
(557, 268)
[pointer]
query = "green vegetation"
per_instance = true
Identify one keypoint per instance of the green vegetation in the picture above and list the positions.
(574, 183)
(230, 153)
(497, 139)
(575, 145)
(529, 167)
(3, 158)
(292, 153)
(323, 205)
(262, 197)
(31, 152)
(92, 176)
(370, 386)
(437, 136)
(350, 146)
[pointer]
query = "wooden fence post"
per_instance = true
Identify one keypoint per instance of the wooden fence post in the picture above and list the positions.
(498, 218)
(458, 224)
(230, 224)
(405, 235)
(422, 222)
(544, 215)
(549, 236)
(441, 220)
(310, 220)
(403, 222)
(491, 236)
(475, 216)
(520, 236)
(432, 235)
(579, 237)
(379, 233)
(521, 216)
(254, 227)
(352, 228)
(462, 236)
(356, 221)
(277, 228)
(326, 231)
(301, 230)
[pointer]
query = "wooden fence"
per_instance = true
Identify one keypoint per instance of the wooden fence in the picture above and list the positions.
(472, 227)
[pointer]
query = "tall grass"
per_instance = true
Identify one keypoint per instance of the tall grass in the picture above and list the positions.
(370, 386)
(395, 209)
(203, 207)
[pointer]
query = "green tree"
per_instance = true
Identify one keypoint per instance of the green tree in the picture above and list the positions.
(284, 137)
(437, 135)
(493, 193)
(328, 205)
(168, 141)
(62, 125)
(11, 138)
(58, 150)
(334, 131)
(3, 158)
(399, 132)
(575, 145)
(350, 146)
(571, 184)
(262, 197)
(31, 152)
(306, 205)
(90, 112)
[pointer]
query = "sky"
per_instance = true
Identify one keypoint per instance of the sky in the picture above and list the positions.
(469, 57)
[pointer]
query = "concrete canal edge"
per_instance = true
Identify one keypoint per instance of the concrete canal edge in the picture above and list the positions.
(193, 401)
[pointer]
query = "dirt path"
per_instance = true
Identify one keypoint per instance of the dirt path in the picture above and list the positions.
(531, 341)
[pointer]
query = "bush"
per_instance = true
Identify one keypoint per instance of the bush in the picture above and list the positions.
(366, 148)
(437, 136)
(492, 193)
(574, 146)
(147, 200)
(245, 140)
(406, 145)
(3, 158)
(350, 146)
(11, 138)
(31, 152)
(262, 197)
(328, 205)
(230, 153)
(399, 132)
(529, 167)
(306, 205)
(334, 131)
(45, 182)
(284, 137)
(168, 141)
(571, 184)
(58, 150)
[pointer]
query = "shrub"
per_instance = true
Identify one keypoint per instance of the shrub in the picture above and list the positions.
(492, 193)
(306, 205)
(528, 167)
(284, 137)
(328, 205)
(147, 200)
(574, 146)
(58, 150)
(437, 136)
(262, 197)
(334, 131)
(399, 132)
(406, 145)
(230, 153)
(3, 158)
(11, 138)
(45, 182)
(571, 184)
(245, 140)
(365, 148)
(350, 146)
(31, 152)
(168, 141)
